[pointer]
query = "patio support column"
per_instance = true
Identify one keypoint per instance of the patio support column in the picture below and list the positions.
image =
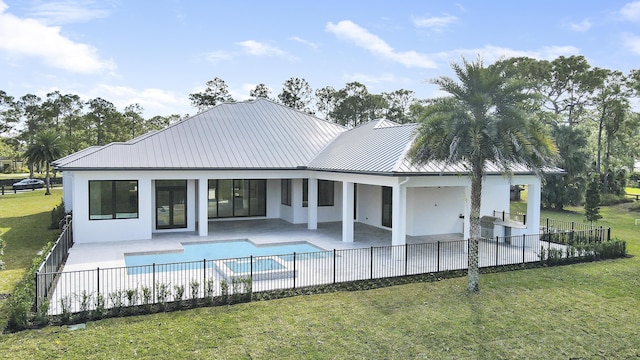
(312, 204)
(347, 211)
(398, 216)
(203, 207)
(533, 208)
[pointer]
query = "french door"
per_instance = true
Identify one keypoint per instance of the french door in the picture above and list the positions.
(387, 206)
(171, 204)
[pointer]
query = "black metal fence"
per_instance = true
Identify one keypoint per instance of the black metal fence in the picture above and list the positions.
(505, 216)
(569, 232)
(48, 271)
(106, 288)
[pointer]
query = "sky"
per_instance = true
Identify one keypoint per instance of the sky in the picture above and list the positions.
(155, 53)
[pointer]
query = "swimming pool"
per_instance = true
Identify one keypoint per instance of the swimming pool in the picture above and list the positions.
(220, 250)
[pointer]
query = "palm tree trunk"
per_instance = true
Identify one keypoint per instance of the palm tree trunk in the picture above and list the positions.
(474, 230)
(46, 181)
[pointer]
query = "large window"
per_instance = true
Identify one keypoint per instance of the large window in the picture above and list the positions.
(113, 199)
(237, 198)
(285, 192)
(325, 192)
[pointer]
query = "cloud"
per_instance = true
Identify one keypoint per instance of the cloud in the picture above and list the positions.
(631, 11)
(29, 37)
(632, 42)
(349, 31)
(490, 53)
(582, 26)
(64, 12)
(154, 101)
(369, 79)
(437, 23)
(305, 42)
(253, 47)
(218, 56)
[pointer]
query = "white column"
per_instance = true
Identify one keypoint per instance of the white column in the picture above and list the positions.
(398, 218)
(312, 204)
(203, 207)
(347, 211)
(533, 208)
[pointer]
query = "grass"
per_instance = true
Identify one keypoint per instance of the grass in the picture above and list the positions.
(24, 226)
(587, 310)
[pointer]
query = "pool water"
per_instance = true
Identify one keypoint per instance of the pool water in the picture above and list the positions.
(245, 266)
(226, 250)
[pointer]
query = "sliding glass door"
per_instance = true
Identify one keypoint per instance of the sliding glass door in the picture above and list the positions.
(171, 204)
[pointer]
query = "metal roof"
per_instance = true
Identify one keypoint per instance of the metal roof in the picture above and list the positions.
(375, 147)
(261, 134)
(251, 135)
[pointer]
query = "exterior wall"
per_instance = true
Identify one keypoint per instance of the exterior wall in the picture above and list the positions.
(67, 190)
(85, 230)
(437, 199)
(369, 207)
(435, 210)
(495, 195)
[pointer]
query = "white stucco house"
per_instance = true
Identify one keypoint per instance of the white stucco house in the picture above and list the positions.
(261, 160)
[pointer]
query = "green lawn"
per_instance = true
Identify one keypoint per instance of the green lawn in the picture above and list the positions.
(580, 311)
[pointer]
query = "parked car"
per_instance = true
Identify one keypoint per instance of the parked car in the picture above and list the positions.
(28, 184)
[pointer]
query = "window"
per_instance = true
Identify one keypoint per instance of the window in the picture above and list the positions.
(113, 199)
(325, 192)
(237, 198)
(285, 192)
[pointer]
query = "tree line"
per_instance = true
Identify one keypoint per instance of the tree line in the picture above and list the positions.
(586, 110)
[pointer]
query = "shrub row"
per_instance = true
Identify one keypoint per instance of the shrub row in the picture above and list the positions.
(21, 302)
(170, 298)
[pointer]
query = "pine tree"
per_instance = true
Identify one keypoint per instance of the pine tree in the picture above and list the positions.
(592, 200)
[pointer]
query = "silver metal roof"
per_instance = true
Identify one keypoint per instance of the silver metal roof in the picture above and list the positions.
(375, 147)
(261, 134)
(246, 135)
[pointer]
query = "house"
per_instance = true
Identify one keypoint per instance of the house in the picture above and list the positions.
(259, 159)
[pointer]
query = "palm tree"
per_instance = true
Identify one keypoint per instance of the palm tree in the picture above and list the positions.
(482, 121)
(46, 147)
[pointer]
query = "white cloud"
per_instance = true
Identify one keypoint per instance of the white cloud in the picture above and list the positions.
(28, 37)
(490, 53)
(218, 56)
(437, 23)
(303, 41)
(632, 43)
(69, 11)
(154, 101)
(370, 79)
(349, 31)
(631, 11)
(260, 49)
(582, 26)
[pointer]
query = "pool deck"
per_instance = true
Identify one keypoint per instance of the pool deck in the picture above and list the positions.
(268, 231)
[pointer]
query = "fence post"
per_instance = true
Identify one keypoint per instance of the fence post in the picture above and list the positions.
(524, 219)
(334, 265)
(37, 288)
(547, 224)
(153, 281)
(496, 250)
(524, 237)
(406, 258)
(371, 262)
(294, 269)
(204, 274)
(438, 260)
(609, 234)
(98, 281)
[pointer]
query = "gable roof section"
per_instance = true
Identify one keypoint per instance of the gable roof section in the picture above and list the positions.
(258, 134)
(374, 147)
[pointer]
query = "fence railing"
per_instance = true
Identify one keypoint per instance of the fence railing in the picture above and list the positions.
(553, 226)
(505, 216)
(50, 267)
(106, 288)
